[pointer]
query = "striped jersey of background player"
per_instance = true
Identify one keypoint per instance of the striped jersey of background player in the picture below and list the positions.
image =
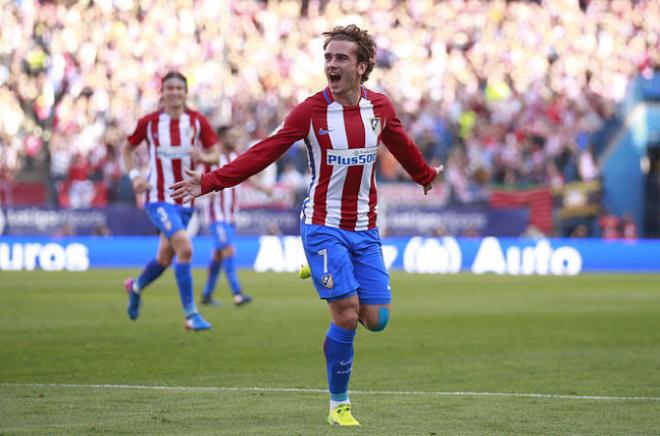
(177, 137)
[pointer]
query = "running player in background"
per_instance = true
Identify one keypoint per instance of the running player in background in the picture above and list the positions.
(220, 212)
(173, 135)
(342, 126)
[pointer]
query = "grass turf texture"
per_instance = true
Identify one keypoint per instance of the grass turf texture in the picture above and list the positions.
(591, 335)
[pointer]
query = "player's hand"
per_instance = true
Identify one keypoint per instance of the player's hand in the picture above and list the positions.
(440, 168)
(188, 188)
(140, 185)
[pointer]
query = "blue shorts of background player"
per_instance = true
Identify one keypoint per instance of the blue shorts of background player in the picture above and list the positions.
(223, 258)
(223, 234)
(169, 218)
(349, 272)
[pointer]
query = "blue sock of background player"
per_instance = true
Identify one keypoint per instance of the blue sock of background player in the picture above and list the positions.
(232, 277)
(338, 350)
(215, 267)
(151, 272)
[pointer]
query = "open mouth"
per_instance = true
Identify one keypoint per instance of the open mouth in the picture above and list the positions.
(334, 77)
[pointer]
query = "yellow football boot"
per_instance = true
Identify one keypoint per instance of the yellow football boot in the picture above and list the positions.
(341, 415)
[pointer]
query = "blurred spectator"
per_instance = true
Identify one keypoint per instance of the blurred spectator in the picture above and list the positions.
(532, 232)
(80, 190)
(580, 231)
(102, 230)
(610, 226)
(628, 227)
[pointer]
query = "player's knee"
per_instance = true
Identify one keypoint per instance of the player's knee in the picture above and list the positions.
(164, 260)
(381, 321)
(184, 253)
(347, 320)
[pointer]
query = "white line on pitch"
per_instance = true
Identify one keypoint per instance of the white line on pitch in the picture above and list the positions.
(324, 391)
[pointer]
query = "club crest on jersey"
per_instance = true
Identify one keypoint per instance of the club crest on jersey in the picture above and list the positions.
(328, 281)
(375, 125)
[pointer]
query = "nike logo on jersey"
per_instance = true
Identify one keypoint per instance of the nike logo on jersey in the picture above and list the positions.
(324, 132)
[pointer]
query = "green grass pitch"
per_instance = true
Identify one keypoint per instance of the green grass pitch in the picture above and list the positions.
(463, 354)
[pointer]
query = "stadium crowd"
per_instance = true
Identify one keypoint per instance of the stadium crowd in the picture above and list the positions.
(503, 92)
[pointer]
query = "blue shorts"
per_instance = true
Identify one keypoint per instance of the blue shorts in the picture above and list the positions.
(169, 218)
(223, 234)
(345, 263)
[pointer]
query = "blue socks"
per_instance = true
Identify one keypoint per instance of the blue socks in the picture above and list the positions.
(151, 272)
(338, 350)
(214, 270)
(183, 274)
(232, 278)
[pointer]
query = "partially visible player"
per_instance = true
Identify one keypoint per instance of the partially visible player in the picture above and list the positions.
(221, 212)
(342, 126)
(175, 136)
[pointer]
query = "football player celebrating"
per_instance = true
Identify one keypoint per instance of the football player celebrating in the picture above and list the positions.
(342, 126)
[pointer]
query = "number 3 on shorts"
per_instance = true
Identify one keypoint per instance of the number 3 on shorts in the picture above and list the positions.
(324, 253)
(164, 218)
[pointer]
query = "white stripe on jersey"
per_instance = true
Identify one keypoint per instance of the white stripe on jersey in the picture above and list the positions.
(222, 203)
(314, 151)
(152, 175)
(339, 140)
(370, 137)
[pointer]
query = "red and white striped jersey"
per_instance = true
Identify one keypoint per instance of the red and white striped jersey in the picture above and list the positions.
(342, 144)
(224, 204)
(170, 142)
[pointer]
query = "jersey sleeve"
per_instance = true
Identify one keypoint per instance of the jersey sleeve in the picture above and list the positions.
(403, 148)
(207, 135)
(139, 134)
(260, 155)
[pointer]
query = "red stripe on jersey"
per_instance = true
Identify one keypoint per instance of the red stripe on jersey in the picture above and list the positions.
(193, 125)
(373, 199)
(175, 139)
(325, 173)
(160, 188)
(349, 198)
